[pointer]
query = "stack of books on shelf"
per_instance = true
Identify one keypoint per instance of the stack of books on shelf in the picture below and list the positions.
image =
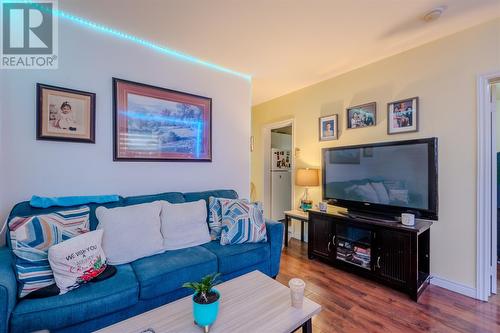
(362, 256)
(357, 255)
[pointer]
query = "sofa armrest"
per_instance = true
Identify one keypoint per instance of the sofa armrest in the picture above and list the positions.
(275, 232)
(8, 288)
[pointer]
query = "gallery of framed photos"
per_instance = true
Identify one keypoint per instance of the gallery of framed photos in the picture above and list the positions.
(402, 117)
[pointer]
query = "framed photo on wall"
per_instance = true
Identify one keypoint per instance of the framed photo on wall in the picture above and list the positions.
(362, 115)
(65, 114)
(328, 128)
(402, 116)
(158, 124)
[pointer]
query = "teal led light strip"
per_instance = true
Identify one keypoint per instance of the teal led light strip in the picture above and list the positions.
(137, 40)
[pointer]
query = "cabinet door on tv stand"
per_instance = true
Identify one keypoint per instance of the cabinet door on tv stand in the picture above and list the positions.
(321, 244)
(392, 262)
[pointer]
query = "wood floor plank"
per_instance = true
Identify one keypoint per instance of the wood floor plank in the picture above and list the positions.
(353, 304)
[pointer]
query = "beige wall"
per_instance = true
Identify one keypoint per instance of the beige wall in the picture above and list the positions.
(443, 74)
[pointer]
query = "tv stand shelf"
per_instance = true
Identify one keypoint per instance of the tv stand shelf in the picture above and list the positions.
(391, 253)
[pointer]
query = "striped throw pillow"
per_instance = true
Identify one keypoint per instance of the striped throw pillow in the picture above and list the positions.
(215, 214)
(215, 217)
(242, 222)
(31, 238)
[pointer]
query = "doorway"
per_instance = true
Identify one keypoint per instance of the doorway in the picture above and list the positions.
(487, 185)
(278, 149)
(281, 173)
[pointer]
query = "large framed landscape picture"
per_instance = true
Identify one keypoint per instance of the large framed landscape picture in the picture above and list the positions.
(158, 124)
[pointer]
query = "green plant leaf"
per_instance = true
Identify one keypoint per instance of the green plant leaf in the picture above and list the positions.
(205, 285)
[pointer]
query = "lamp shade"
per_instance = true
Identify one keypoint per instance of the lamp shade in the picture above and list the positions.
(307, 177)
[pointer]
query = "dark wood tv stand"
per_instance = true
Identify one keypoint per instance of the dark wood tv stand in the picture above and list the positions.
(395, 255)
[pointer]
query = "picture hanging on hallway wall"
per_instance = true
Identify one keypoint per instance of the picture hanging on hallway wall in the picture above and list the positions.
(362, 115)
(402, 116)
(158, 124)
(65, 114)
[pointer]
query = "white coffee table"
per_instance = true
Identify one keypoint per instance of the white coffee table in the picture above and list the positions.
(250, 303)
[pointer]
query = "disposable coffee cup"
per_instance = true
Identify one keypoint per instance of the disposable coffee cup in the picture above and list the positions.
(297, 287)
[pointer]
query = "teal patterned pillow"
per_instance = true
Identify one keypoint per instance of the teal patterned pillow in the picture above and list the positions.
(32, 236)
(215, 214)
(242, 222)
(215, 217)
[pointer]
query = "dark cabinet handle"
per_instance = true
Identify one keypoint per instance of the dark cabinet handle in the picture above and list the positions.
(329, 244)
(378, 262)
(333, 240)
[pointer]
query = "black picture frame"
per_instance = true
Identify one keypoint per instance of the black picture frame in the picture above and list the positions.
(41, 131)
(116, 155)
(372, 107)
(416, 111)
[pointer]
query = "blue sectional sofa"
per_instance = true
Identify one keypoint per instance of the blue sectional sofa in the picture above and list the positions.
(137, 287)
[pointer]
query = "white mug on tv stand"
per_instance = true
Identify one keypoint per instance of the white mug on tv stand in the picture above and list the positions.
(408, 219)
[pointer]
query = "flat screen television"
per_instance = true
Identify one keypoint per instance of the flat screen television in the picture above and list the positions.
(386, 178)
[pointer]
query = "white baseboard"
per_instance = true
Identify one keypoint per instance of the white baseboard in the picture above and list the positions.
(454, 286)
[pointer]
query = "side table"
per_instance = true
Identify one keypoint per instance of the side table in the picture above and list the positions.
(297, 215)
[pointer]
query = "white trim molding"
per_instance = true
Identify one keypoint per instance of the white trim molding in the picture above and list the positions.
(486, 193)
(453, 286)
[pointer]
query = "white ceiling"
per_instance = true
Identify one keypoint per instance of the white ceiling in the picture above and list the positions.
(285, 44)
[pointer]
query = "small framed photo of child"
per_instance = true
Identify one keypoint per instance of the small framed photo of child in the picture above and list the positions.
(328, 128)
(402, 116)
(65, 114)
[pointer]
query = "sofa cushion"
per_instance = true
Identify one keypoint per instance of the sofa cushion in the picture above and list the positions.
(215, 217)
(184, 224)
(31, 237)
(242, 222)
(168, 271)
(85, 303)
(172, 197)
(235, 257)
(130, 232)
(77, 260)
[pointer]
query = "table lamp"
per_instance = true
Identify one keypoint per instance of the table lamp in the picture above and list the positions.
(306, 177)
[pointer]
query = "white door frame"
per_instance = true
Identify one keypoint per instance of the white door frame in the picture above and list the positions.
(266, 150)
(486, 193)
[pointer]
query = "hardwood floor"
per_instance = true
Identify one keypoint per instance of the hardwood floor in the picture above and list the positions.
(354, 304)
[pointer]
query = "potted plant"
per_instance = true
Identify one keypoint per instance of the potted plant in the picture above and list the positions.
(205, 300)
